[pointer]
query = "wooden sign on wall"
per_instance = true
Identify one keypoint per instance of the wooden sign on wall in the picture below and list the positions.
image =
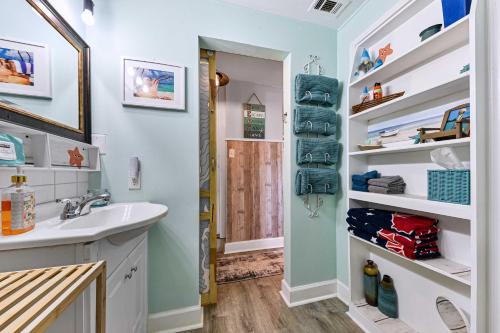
(254, 121)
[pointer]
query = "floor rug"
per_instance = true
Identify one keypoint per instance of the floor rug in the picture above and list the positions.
(250, 265)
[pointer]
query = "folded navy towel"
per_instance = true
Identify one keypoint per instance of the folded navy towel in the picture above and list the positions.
(422, 253)
(364, 178)
(316, 181)
(367, 236)
(314, 120)
(360, 188)
(316, 89)
(315, 150)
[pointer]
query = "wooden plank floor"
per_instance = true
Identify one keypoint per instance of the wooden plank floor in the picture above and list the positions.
(255, 306)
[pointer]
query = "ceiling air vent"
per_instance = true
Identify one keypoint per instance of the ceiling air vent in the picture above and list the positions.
(329, 6)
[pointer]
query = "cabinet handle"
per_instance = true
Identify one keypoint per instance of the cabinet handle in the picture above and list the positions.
(128, 276)
(133, 269)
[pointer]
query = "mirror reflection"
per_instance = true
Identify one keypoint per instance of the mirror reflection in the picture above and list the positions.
(38, 66)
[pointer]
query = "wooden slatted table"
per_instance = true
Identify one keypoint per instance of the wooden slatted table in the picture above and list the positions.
(30, 301)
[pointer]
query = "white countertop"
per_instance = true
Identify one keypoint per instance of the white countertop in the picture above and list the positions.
(100, 223)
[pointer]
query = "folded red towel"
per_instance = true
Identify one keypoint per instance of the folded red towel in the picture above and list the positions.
(409, 252)
(409, 225)
(407, 241)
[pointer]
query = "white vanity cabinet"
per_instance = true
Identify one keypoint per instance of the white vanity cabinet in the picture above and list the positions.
(116, 234)
(127, 293)
(126, 258)
(126, 288)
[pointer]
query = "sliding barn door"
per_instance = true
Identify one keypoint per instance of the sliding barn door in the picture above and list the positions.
(254, 190)
(208, 184)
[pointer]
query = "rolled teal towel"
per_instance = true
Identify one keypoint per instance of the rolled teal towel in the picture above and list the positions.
(316, 89)
(317, 150)
(314, 120)
(316, 181)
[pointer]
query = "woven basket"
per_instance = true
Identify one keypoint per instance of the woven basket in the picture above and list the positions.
(374, 102)
(449, 186)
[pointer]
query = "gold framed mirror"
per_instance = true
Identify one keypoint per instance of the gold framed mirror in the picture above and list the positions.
(44, 71)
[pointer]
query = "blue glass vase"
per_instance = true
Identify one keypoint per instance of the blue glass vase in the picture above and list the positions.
(387, 297)
(370, 282)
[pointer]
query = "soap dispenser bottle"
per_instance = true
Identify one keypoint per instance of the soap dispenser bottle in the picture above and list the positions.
(18, 206)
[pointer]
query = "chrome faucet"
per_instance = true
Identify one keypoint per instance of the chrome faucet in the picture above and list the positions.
(72, 210)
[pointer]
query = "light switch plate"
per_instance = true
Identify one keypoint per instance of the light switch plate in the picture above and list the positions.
(99, 140)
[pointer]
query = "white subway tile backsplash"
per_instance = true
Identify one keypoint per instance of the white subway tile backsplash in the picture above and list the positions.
(65, 177)
(66, 191)
(44, 193)
(39, 177)
(50, 185)
(82, 188)
(82, 177)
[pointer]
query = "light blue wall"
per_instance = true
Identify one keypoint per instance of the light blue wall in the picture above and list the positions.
(367, 15)
(167, 141)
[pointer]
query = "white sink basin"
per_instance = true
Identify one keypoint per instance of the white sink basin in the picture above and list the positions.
(114, 221)
(99, 218)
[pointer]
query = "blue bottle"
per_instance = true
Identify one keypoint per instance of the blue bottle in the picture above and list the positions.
(370, 282)
(387, 297)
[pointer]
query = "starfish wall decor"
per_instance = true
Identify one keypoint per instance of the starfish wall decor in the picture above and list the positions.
(75, 157)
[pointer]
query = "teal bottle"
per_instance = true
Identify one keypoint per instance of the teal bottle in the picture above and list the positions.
(387, 297)
(370, 282)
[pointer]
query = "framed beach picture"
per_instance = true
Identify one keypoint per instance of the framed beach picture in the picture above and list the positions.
(24, 68)
(153, 85)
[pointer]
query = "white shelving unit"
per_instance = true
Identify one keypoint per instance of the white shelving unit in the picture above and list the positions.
(429, 73)
(413, 148)
(46, 151)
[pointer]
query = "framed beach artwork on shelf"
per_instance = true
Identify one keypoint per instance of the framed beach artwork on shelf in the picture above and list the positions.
(24, 68)
(153, 85)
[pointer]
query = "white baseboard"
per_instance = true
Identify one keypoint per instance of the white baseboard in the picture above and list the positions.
(309, 293)
(254, 245)
(179, 320)
(343, 292)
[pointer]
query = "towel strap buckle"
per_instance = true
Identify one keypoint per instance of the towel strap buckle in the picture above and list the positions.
(309, 94)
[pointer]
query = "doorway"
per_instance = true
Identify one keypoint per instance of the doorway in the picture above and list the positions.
(249, 112)
(242, 225)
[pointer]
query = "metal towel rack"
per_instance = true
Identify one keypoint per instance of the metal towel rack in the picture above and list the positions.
(313, 212)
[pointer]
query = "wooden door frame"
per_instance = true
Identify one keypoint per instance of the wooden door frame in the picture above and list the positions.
(211, 296)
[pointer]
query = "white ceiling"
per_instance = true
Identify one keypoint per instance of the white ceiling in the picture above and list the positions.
(298, 9)
(256, 70)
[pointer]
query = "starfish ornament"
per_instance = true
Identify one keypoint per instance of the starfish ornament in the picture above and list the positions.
(75, 157)
(383, 53)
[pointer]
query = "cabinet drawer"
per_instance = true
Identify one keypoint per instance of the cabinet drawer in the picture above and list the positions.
(120, 299)
(114, 253)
